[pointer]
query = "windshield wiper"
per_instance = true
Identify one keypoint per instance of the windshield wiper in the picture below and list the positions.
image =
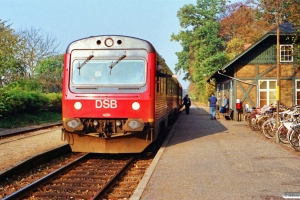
(88, 59)
(114, 63)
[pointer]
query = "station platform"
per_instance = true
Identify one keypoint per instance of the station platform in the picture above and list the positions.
(21, 148)
(219, 159)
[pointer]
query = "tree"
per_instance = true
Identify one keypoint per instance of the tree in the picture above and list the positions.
(38, 46)
(202, 52)
(241, 25)
(11, 66)
(49, 73)
(282, 10)
(185, 38)
(294, 10)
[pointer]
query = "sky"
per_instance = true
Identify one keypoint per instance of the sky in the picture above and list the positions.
(69, 20)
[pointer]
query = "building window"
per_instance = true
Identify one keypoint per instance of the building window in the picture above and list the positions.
(286, 53)
(297, 87)
(267, 92)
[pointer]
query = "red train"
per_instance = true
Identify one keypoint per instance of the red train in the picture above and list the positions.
(112, 100)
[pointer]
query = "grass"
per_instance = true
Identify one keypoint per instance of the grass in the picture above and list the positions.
(22, 120)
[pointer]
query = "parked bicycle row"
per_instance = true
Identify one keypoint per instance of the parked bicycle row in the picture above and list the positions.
(285, 123)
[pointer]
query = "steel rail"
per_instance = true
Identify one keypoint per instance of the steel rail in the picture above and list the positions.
(102, 192)
(35, 185)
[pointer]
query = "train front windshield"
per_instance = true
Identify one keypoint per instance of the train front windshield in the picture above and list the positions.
(108, 72)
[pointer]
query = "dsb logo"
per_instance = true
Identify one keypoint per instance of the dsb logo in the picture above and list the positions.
(106, 103)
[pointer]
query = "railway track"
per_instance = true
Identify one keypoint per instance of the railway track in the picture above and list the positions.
(27, 131)
(89, 176)
(80, 176)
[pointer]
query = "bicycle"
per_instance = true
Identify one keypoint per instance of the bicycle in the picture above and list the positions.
(294, 137)
(247, 115)
(285, 127)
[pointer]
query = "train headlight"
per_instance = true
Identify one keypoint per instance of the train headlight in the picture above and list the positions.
(77, 105)
(135, 106)
(72, 124)
(134, 124)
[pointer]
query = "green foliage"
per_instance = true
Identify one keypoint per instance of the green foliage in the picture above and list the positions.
(27, 84)
(234, 48)
(49, 73)
(23, 93)
(25, 119)
(11, 66)
(54, 101)
(25, 96)
(185, 38)
(20, 101)
(203, 50)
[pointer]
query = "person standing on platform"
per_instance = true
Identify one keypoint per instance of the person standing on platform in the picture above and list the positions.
(212, 106)
(187, 103)
(225, 103)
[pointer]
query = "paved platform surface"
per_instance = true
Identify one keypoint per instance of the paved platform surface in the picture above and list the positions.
(219, 159)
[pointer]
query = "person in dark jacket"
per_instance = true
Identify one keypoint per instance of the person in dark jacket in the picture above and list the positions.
(187, 103)
(212, 106)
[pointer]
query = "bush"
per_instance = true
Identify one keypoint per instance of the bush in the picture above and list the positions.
(54, 101)
(16, 99)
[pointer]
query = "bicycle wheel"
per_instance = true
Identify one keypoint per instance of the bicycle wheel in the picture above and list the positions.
(282, 134)
(260, 122)
(269, 128)
(294, 139)
(246, 119)
(253, 124)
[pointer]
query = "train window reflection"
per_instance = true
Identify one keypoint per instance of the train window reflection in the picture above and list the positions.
(98, 72)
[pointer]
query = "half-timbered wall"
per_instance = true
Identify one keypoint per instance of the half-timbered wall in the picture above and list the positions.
(252, 74)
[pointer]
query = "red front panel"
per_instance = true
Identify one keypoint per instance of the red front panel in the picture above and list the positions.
(110, 105)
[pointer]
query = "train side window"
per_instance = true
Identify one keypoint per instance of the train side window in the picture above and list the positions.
(167, 84)
(162, 85)
(157, 84)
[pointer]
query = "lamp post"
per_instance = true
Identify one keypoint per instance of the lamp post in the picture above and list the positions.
(278, 72)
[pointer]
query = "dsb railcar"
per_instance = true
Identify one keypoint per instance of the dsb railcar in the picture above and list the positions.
(112, 100)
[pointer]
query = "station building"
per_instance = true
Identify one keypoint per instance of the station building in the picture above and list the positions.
(251, 77)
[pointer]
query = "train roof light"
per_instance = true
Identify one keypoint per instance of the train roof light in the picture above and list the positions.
(109, 42)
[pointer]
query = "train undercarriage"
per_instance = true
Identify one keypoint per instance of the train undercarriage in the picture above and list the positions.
(108, 135)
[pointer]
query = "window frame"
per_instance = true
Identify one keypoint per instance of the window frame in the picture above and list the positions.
(284, 54)
(267, 90)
